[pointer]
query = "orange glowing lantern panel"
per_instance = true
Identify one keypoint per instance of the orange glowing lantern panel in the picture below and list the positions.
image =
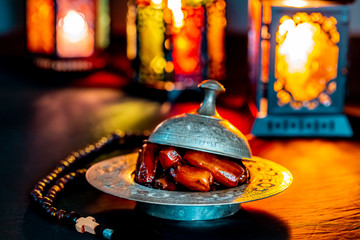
(75, 29)
(216, 23)
(40, 26)
(306, 57)
(187, 37)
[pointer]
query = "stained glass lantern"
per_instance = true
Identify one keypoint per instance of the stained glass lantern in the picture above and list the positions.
(67, 35)
(297, 55)
(176, 43)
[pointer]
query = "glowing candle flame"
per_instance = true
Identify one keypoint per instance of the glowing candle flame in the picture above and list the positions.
(298, 45)
(74, 26)
(74, 35)
(158, 4)
(178, 15)
(156, 1)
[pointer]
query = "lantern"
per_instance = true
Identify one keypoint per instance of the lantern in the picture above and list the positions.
(176, 43)
(67, 35)
(297, 55)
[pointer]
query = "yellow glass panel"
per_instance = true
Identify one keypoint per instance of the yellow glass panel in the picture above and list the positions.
(306, 55)
(151, 29)
(195, 3)
(102, 24)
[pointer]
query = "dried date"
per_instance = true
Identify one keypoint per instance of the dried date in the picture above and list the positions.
(169, 157)
(192, 178)
(224, 171)
(146, 164)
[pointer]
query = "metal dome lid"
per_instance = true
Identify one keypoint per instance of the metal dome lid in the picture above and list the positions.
(204, 130)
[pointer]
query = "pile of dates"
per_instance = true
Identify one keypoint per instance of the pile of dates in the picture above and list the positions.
(170, 168)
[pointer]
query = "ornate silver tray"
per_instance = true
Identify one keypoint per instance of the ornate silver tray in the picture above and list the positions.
(114, 176)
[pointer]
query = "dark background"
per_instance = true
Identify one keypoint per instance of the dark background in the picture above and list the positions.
(45, 116)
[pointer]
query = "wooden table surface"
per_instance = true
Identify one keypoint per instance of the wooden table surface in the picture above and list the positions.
(41, 124)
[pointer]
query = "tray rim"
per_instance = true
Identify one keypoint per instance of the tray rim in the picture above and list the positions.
(287, 181)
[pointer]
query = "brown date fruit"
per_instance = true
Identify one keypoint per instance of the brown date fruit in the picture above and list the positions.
(164, 184)
(192, 178)
(146, 164)
(224, 171)
(169, 157)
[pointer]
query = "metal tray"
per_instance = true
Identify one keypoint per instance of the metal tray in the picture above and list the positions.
(114, 176)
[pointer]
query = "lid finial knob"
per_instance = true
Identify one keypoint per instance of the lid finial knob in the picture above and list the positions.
(211, 90)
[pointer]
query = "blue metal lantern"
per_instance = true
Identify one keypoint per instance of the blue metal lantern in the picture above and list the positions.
(298, 51)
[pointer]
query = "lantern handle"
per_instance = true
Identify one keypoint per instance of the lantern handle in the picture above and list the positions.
(212, 89)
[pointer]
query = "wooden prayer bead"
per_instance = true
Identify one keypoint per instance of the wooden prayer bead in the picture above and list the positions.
(61, 214)
(57, 183)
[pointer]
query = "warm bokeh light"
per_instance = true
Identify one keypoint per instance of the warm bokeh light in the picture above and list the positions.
(75, 29)
(177, 13)
(151, 28)
(102, 33)
(131, 32)
(254, 9)
(167, 39)
(156, 1)
(298, 44)
(295, 3)
(169, 67)
(306, 57)
(216, 23)
(187, 42)
(158, 4)
(61, 33)
(299, 67)
(143, 3)
(74, 26)
(40, 26)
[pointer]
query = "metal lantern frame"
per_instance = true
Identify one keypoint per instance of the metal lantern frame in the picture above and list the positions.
(276, 119)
